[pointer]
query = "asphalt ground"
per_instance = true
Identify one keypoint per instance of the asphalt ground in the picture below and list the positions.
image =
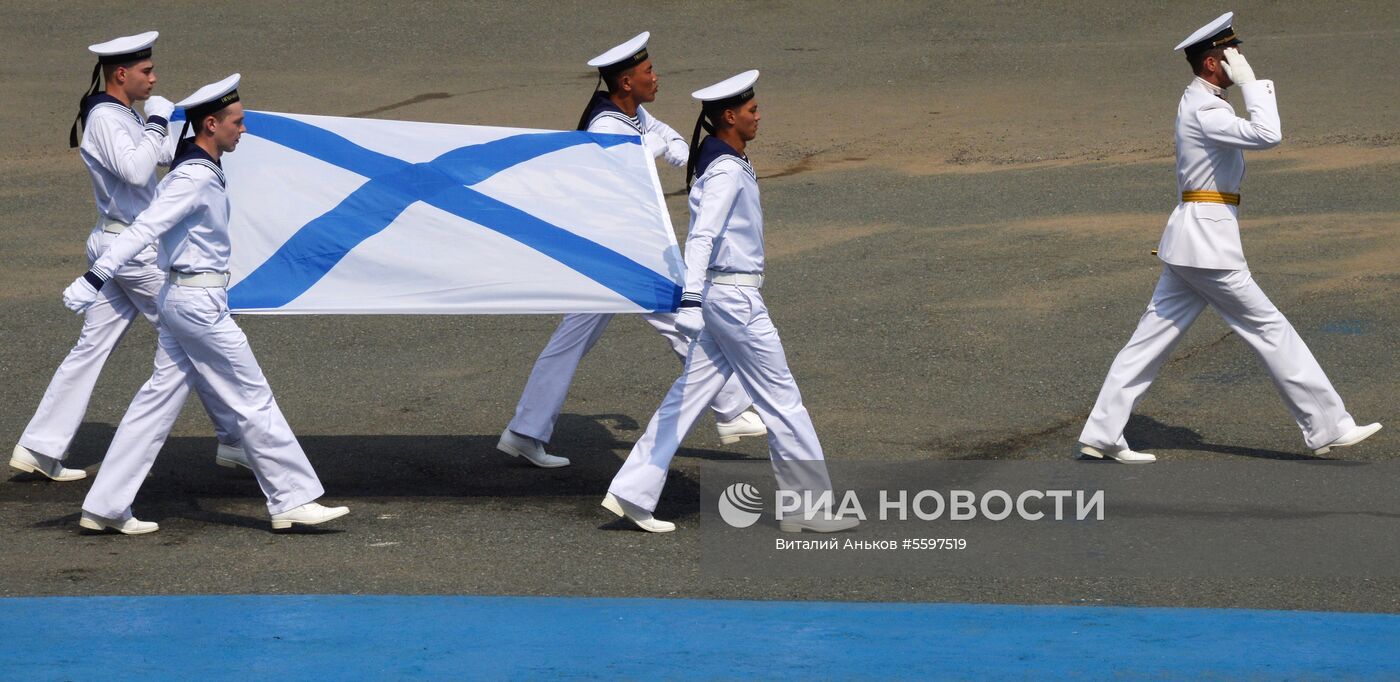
(960, 201)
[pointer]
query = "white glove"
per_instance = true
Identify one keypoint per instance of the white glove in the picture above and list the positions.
(690, 321)
(654, 143)
(677, 153)
(1236, 67)
(79, 295)
(159, 106)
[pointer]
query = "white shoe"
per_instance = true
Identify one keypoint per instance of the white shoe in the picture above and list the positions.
(1348, 439)
(28, 461)
(131, 526)
(1125, 455)
(516, 445)
(309, 514)
(232, 457)
(745, 425)
(816, 525)
(641, 517)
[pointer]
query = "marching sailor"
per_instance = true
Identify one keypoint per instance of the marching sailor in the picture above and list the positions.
(631, 82)
(723, 309)
(198, 338)
(121, 151)
(1203, 261)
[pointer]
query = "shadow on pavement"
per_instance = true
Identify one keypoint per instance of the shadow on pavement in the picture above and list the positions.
(1147, 434)
(378, 466)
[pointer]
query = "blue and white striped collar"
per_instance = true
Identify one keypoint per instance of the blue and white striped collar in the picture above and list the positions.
(105, 100)
(713, 149)
(602, 105)
(196, 155)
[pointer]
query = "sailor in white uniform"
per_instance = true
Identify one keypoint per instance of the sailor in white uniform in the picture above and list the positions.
(631, 82)
(723, 309)
(198, 338)
(121, 151)
(1204, 261)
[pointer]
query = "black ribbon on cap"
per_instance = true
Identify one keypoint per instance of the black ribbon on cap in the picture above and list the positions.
(623, 65)
(588, 109)
(701, 122)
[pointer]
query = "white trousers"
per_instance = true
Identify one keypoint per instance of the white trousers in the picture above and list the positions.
(738, 341)
(1182, 293)
(132, 291)
(198, 338)
(548, 386)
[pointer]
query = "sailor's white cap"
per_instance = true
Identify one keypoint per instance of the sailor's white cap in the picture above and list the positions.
(624, 56)
(210, 98)
(738, 88)
(1217, 33)
(125, 49)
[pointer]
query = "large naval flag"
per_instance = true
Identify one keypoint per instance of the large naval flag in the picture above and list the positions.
(364, 216)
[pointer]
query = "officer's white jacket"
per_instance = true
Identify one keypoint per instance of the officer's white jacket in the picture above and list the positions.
(726, 217)
(189, 216)
(121, 152)
(1210, 144)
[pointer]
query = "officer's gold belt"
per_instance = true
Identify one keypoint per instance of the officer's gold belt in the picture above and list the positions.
(1210, 197)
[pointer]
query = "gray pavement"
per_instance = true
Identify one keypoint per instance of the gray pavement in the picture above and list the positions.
(960, 204)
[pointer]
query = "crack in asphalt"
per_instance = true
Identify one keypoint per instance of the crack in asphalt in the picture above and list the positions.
(425, 97)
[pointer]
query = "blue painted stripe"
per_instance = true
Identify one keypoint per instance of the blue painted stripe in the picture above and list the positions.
(395, 184)
(354, 638)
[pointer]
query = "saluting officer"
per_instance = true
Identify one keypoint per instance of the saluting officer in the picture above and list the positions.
(1203, 261)
(121, 151)
(723, 309)
(631, 82)
(198, 338)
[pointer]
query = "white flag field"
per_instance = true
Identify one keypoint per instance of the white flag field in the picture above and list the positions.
(338, 215)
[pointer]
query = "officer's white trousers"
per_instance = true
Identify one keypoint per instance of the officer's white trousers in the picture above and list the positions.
(198, 338)
(740, 342)
(548, 386)
(1180, 296)
(132, 291)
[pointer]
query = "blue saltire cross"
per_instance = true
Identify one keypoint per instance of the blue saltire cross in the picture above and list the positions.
(443, 183)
